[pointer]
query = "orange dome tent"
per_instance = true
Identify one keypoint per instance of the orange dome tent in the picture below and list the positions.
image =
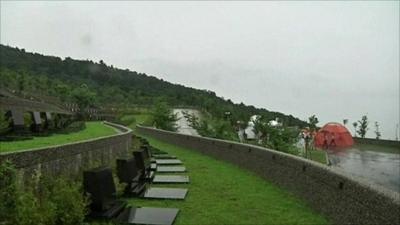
(333, 135)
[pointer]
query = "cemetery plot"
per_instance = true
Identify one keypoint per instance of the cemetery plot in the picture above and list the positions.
(169, 179)
(171, 169)
(168, 162)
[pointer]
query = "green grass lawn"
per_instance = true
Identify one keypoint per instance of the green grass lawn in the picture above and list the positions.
(222, 193)
(92, 130)
(318, 156)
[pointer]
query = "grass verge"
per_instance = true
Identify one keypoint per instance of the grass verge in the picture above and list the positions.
(92, 130)
(222, 193)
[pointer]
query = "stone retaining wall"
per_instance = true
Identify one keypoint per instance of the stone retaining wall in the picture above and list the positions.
(71, 159)
(337, 195)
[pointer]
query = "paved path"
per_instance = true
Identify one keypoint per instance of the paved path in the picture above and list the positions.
(183, 124)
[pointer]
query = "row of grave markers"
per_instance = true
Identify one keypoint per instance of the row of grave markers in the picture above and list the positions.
(40, 120)
(138, 173)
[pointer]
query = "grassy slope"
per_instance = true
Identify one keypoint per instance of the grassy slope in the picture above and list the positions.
(92, 130)
(221, 193)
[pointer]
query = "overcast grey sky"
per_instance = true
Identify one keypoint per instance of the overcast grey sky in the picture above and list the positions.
(333, 59)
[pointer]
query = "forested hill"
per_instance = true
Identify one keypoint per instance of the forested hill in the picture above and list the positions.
(107, 85)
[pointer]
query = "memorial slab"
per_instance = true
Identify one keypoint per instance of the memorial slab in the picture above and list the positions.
(168, 162)
(164, 156)
(150, 216)
(165, 193)
(171, 169)
(170, 179)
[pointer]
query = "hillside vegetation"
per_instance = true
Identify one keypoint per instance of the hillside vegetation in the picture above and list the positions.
(90, 83)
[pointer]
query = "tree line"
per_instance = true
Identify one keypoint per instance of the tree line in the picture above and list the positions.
(94, 84)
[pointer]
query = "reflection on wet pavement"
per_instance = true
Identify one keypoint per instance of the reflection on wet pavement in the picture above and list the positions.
(381, 167)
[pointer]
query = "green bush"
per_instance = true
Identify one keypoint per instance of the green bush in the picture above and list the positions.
(8, 192)
(4, 123)
(70, 204)
(49, 201)
(32, 210)
(125, 120)
(163, 117)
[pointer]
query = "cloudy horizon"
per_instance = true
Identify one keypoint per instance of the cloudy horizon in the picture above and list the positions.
(337, 60)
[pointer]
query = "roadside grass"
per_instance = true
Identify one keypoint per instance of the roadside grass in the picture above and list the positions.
(318, 156)
(136, 118)
(92, 130)
(222, 193)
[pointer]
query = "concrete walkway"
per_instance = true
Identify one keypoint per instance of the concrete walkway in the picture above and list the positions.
(183, 123)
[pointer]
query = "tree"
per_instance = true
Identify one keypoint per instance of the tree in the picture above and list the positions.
(362, 130)
(163, 117)
(355, 124)
(313, 120)
(83, 96)
(377, 132)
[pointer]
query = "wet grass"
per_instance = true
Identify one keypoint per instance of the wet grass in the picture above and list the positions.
(222, 193)
(92, 130)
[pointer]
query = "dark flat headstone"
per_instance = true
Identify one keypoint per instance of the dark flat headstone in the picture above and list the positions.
(127, 171)
(171, 169)
(165, 193)
(113, 211)
(157, 151)
(143, 163)
(99, 185)
(168, 161)
(164, 156)
(150, 216)
(171, 179)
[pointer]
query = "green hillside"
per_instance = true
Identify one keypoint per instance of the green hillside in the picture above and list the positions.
(68, 79)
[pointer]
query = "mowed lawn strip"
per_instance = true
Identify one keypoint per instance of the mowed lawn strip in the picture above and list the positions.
(222, 193)
(92, 130)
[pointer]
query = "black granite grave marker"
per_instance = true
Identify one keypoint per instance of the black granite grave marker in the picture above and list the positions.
(170, 179)
(164, 156)
(99, 186)
(143, 163)
(18, 119)
(149, 216)
(168, 161)
(171, 169)
(127, 172)
(165, 193)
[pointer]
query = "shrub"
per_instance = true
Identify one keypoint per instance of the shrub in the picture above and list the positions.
(163, 117)
(49, 201)
(8, 192)
(4, 123)
(70, 204)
